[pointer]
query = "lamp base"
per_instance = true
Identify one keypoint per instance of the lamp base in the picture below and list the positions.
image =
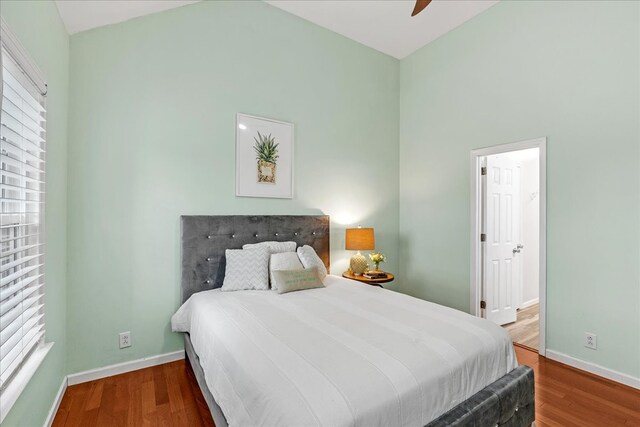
(358, 264)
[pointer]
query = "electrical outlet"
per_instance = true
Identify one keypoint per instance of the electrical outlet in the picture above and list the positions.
(590, 340)
(125, 339)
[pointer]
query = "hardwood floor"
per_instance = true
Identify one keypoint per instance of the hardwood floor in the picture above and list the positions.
(163, 395)
(168, 395)
(569, 397)
(525, 330)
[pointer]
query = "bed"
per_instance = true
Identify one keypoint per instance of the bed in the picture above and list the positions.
(346, 354)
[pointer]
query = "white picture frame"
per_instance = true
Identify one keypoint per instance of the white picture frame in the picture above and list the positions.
(264, 157)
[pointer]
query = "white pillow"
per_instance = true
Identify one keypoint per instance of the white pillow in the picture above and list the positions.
(283, 261)
(246, 269)
(310, 259)
(274, 247)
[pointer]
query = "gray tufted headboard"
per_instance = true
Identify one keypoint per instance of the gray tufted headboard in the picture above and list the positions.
(205, 238)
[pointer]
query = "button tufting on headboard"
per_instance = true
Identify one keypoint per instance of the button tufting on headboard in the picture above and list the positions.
(203, 260)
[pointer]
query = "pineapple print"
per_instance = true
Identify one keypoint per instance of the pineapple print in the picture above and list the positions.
(267, 156)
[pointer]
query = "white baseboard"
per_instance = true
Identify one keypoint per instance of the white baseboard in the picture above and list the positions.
(121, 368)
(56, 403)
(601, 371)
(529, 303)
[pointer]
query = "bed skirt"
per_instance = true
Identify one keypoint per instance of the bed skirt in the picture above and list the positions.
(509, 401)
(194, 361)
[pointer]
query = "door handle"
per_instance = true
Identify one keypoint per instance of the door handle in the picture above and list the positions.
(516, 250)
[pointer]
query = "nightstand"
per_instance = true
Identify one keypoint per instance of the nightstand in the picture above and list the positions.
(374, 282)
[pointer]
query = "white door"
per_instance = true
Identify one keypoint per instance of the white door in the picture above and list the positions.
(502, 273)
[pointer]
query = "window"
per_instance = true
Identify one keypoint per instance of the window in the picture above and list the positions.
(22, 197)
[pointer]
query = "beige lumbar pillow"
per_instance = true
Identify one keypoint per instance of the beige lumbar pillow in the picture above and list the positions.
(283, 261)
(296, 280)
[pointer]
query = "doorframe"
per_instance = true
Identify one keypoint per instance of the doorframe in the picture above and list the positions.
(476, 226)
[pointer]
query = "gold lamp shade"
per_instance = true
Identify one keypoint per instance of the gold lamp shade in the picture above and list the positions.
(360, 239)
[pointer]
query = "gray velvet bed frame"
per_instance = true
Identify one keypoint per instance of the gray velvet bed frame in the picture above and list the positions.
(509, 401)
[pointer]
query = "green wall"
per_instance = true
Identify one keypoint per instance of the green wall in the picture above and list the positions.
(565, 70)
(49, 48)
(151, 137)
(153, 103)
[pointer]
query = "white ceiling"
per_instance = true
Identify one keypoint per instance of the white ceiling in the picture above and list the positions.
(82, 15)
(384, 25)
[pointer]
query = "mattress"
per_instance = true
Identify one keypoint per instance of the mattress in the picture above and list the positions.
(349, 354)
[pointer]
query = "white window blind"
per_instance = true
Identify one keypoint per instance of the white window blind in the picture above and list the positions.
(22, 186)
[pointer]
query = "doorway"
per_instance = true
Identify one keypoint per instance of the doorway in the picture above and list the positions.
(508, 212)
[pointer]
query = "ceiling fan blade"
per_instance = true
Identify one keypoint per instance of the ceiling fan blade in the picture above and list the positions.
(420, 5)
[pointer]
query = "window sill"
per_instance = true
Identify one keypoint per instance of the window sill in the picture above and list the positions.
(19, 382)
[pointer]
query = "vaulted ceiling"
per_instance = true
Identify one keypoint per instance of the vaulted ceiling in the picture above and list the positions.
(387, 26)
(384, 25)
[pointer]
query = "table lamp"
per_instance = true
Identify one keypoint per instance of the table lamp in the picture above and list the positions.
(359, 239)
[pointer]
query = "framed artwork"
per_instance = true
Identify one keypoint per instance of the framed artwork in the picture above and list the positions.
(264, 157)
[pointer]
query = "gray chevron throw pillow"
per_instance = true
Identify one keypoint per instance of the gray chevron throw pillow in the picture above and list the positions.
(246, 269)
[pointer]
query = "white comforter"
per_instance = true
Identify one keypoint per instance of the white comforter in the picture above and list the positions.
(345, 355)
